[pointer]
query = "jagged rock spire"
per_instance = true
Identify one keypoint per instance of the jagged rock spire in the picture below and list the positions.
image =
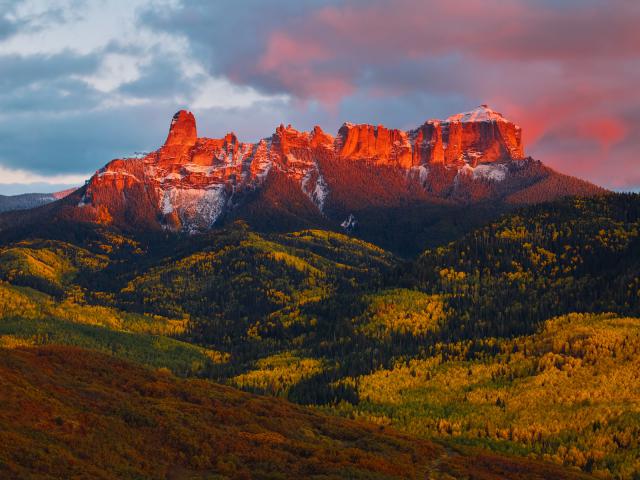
(183, 130)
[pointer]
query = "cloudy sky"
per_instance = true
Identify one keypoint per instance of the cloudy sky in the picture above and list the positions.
(85, 81)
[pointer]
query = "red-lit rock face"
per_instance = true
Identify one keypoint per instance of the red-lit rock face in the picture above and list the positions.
(190, 182)
(366, 142)
(427, 145)
(479, 136)
(182, 130)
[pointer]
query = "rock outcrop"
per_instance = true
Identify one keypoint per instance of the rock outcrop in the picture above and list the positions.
(379, 144)
(182, 131)
(478, 136)
(191, 182)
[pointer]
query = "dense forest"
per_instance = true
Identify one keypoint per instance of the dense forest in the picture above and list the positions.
(575, 255)
(521, 336)
(568, 394)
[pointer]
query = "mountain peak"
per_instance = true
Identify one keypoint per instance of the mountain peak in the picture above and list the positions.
(482, 113)
(182, 130)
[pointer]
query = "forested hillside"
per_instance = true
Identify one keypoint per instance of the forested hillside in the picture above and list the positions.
(73, 413)
(574, 255)
(432, 345)
(78, 414)
(568, 394)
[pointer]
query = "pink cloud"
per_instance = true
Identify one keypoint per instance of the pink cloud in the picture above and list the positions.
(283, 50)
(607, 130)
(567, 72)
(380, 32)
(293, 63)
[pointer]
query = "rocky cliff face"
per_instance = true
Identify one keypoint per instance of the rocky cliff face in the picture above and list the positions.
(479, 136)
(182, 132)
(191, 182)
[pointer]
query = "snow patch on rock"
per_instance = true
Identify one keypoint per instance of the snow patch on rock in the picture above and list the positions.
(481, 113)
(118, 173)
(317, 192)
(198, 209)
(422, 172)
(203, 169)
(321, 192)
(495, 172)
(349, 223)
(166, 206)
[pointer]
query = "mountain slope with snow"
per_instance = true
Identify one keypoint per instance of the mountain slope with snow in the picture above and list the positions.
(296, 179)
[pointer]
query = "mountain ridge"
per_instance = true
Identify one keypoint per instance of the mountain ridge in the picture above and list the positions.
(194, 179)
(293, 179)
(26, 201)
